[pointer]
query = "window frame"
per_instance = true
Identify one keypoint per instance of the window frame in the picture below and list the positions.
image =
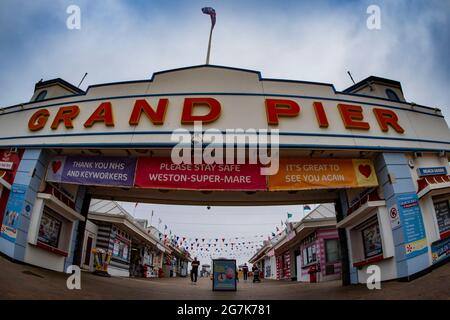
(439, 202)
(41, 96)
(47, 212)
(392, 95)
(338, 257)
(372, 224)
(307, 252)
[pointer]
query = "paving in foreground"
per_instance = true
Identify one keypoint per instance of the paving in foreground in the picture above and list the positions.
(26, 282)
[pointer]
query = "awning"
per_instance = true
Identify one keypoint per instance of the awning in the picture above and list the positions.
(358, 212)
(125, 223)
(160, 247)
(302, 230)
(433, 185)
(258, 256)
(359, 215)
(60, 207)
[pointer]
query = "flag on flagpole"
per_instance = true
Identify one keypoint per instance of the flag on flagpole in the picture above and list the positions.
(212, 13)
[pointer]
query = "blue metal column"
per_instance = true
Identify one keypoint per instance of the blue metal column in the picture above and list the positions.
(28, 178)
(395, 181)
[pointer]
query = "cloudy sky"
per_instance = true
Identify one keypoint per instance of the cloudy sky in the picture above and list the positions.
(310, 40)
(250, 225)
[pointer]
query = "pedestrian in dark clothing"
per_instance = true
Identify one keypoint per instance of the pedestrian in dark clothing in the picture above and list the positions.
(194, 270)
(245, 271)
(255, 270)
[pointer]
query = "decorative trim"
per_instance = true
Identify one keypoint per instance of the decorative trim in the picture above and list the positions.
(365, 262)
(159, 132)
(50, 249)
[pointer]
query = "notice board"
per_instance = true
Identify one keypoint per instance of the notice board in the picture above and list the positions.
(224, 275)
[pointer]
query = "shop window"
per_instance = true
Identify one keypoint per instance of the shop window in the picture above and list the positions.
(372, 240)
(120, 249)
(309, 255)
(332, 251)
(442, 210)
(49, 229)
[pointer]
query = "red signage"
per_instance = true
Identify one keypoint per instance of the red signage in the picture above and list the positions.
(9, 162)
(162, 173)
(353, 116)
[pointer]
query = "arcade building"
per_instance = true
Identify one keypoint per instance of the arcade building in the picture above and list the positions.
(382, 161)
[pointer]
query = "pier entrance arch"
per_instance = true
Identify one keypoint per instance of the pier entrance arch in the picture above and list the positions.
(383, 162)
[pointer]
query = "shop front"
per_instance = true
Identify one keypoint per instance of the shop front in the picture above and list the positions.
(262, 261)
(167, 266)
(155, 270)
(89, 243)
(283, 260)
(320, 257)
(408, 214)
(309, 250)
(183, 260)
(433, 191)
(52, 226)
(9, 163)
(133, 248)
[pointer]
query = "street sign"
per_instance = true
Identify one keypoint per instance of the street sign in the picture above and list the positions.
(394, 217)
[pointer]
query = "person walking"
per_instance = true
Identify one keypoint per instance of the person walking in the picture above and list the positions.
(194, 270)
(245, 271)
(255, 270)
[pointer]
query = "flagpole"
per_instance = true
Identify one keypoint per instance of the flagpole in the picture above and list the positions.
(209, 44)
(134, 210)
(151, 218)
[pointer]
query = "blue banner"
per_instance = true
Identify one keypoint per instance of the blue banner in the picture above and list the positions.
(412, 224)
(433, 171)
(95, 171)
(14, 207)
(440, 250)
(224, 275)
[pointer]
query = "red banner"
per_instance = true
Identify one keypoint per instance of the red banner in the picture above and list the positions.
(9, 162)
(162, 173)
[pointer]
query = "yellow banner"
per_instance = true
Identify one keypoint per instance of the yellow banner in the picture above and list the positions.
(307, 174)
